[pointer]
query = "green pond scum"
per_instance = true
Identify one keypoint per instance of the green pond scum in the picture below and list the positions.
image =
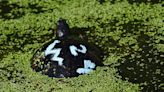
(130, 33)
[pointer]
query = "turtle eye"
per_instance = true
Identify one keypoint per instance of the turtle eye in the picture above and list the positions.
(60, 33)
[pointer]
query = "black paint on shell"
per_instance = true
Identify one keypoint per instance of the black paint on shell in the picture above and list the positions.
(45, 65)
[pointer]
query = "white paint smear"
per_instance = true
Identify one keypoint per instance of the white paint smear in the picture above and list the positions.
(88, 67)
(74, 50)
(83, 70)
(55, 52)
(83, 50)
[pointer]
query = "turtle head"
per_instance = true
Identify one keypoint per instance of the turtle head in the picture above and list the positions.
(62, 28)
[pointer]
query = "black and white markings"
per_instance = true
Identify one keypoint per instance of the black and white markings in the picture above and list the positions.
(55, 52)
(74, 50)
(88, 67)
(65, 55)
(88, 64)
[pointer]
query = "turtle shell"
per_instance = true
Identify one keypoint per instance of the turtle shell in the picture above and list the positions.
(65, 58)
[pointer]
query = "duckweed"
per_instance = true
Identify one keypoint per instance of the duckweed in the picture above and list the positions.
(130, 35)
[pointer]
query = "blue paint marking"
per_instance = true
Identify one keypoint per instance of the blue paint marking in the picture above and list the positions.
(88, 67)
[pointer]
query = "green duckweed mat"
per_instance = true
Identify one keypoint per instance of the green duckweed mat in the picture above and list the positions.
(130, 33)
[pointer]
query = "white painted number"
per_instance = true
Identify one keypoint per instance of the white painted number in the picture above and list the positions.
(74, 50)
(88, 67)
(55, 52)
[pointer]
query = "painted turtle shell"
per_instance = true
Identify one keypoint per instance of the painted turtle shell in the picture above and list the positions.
(65, 55)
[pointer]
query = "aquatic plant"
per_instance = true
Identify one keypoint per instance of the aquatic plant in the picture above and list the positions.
(130, 35)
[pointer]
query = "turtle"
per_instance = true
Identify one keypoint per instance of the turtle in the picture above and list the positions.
(65, 55)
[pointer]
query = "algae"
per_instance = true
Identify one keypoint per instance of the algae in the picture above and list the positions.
(130, 34)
